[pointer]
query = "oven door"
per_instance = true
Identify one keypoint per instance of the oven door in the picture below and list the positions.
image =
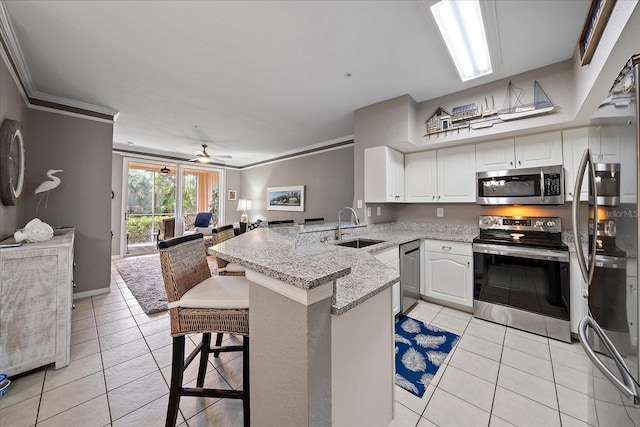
(528, 279)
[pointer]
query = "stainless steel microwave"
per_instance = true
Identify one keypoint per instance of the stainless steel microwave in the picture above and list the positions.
(527, 186)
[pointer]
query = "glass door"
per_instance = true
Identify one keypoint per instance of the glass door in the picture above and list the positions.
(199, 191)
(150, 207)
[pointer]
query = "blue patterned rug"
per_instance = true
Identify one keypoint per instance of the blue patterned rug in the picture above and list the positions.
(420, 350)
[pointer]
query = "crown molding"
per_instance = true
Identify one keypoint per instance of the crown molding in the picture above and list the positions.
(35, 99)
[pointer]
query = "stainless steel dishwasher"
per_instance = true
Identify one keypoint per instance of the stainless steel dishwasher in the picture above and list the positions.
(409, 275)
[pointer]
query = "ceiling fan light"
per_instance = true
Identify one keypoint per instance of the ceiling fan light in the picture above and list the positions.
(165, 171)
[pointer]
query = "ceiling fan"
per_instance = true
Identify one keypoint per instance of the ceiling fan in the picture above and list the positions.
(204, 157)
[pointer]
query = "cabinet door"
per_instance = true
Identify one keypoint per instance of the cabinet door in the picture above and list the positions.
(611, 142)
(448, 277)
(395, 176)
(27, 312)
(421, 177)
(495, 155)
(383, 175)
(574, 142)
(542, 149)
(457, 174)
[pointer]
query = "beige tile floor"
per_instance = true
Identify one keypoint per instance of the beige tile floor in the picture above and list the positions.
(120, 370)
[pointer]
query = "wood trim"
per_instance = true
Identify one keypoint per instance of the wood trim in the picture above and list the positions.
(593, 28)
(67, 108)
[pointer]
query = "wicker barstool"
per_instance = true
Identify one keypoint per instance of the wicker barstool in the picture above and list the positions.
(226, 268)
(200, 303)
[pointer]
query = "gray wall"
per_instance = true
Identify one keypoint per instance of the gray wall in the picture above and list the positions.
(12, 107)
(82, 148)
(327, 177)
(232, 182)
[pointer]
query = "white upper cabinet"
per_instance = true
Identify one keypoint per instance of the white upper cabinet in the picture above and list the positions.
(383, 175)
(574, 142)
(421, 177)
(446, 175)
(495, 155)
(457, 174)
(543, 149)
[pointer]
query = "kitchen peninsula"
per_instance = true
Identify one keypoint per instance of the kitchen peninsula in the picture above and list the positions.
(321, 323)
(309, 366)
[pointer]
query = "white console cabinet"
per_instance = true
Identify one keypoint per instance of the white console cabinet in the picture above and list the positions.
(448, 272)
(36, 287)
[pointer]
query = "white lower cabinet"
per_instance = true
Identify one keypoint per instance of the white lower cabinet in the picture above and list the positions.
(391, 258)
(448, 271)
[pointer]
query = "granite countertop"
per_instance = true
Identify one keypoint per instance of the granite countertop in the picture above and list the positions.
(295, 255)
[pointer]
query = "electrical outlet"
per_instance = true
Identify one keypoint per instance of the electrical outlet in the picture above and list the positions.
(379, 210)
(359, 204)
(440, 212)
(368, 211)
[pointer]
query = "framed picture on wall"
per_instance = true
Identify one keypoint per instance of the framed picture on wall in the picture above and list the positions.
(290, 198)
(233, 195)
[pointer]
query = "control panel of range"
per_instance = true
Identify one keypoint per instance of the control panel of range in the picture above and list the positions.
(521, 223)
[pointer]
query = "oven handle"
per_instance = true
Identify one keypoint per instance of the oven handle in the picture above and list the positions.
(541, 185)
(542, 254)
(586, 270)
(628, 388)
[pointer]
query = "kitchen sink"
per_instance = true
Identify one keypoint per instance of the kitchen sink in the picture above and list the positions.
(360, 243)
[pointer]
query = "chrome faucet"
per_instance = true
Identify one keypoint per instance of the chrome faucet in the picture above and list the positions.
(339, 229)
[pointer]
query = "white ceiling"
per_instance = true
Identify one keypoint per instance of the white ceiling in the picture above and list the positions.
(263, 78)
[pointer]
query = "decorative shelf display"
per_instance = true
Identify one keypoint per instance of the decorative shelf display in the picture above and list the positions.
(469, 116)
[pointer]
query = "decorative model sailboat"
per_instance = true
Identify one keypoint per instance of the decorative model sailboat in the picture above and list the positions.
(489, 116)
(515, 109)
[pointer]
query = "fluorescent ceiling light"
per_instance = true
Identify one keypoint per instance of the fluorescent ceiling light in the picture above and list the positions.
(460, 23)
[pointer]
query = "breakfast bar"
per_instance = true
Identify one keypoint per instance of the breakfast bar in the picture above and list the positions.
(317, 313)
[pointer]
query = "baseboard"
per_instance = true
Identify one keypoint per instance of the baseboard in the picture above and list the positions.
(115, 257)
(92, 293)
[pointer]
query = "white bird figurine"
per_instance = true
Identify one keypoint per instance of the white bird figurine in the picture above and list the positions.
(49, 185)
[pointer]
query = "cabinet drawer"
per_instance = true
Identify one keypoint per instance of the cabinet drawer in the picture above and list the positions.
(444, 246)
(387, 255)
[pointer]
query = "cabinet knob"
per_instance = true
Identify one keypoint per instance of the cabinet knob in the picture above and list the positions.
(519, 162)
(438, 197)
(570, 193)
(433, 197)
(511, 163)
(446, 248)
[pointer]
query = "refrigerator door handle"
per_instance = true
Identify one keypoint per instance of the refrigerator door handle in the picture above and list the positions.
(586, 270)
(628, 388)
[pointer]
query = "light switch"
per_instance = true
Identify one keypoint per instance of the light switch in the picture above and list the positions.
(379, 210)
(359, 204)
(440, 212)
(368, 211)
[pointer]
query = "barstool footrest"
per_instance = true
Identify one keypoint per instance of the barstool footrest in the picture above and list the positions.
(211, 392)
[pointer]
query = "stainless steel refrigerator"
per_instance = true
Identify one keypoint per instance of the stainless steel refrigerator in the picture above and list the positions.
(609, 333)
